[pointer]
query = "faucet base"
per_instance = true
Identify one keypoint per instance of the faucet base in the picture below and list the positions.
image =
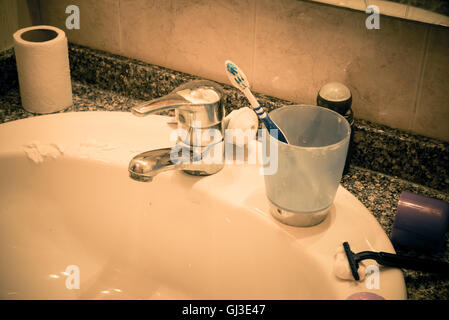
(211, 169)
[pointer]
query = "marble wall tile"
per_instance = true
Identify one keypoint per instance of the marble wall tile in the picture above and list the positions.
(99, 22)
(8, 23)
(300, 46)
(14, 15)
(287, 48)
(432, 111)
(190, 36)
(28, 13)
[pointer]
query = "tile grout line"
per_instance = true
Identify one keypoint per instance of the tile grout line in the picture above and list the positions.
(253, 49)
(421, 76)
(39, 12)
(120, 28)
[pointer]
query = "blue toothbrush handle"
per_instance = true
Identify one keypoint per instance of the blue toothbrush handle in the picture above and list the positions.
(269, 124)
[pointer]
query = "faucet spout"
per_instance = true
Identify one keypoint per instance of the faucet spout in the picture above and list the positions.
(145, 166)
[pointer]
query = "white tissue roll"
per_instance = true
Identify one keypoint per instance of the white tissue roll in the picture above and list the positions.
(43, 67)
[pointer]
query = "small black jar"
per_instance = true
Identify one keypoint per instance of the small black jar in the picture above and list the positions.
(337, 97)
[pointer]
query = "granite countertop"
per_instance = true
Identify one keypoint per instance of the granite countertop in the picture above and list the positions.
(117, 83)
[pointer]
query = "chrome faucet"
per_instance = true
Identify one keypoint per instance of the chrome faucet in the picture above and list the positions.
(199, 111)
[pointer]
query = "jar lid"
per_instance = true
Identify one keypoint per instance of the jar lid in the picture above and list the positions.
(335, 96)
(335, 91)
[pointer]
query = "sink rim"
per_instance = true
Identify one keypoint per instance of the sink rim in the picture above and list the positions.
(13, 137)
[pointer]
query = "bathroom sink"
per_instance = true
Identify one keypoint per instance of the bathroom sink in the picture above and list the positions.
(67, 203)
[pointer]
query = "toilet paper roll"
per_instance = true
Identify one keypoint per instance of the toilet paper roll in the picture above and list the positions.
(43, 69)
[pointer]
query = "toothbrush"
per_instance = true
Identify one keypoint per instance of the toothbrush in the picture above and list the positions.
(239, 80)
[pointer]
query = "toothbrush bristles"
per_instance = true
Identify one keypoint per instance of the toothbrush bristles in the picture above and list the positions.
(232, 69)
(240, 82)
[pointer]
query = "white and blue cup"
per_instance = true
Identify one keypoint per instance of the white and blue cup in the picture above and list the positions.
(309, 168)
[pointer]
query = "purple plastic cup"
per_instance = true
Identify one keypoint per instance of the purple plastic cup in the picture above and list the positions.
(420, 223)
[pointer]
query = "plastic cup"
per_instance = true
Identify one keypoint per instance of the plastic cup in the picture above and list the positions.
(309, 168)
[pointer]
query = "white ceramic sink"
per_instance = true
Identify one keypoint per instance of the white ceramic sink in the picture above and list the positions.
(178, 237)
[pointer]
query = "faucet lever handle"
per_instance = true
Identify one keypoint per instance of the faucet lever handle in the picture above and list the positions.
(172, 101)
(181, 96)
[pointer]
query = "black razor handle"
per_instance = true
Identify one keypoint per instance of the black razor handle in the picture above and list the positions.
(399, 261)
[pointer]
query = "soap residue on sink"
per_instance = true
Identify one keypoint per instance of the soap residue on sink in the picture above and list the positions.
(104, 151)
(93, 144)
(342, 269)
(38, 151)
(100, 151)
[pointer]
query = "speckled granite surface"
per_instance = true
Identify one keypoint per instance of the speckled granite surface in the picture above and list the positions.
(8, 73)
(401, 161)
